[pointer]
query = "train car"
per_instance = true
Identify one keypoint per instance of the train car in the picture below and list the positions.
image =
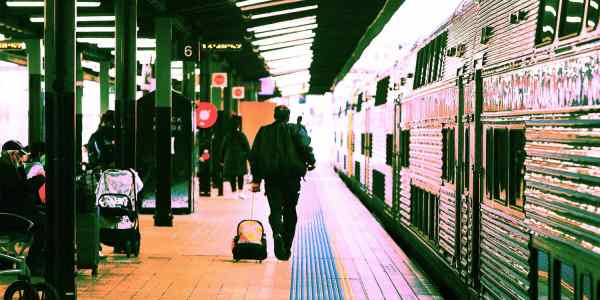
(492, 149)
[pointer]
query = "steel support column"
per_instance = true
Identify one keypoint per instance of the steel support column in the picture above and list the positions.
(126, 65)
(60, 137)
(36, 102)
(227, 101)
(189, 80)
(78, 105)
(205, 75)
(164, 38)
(104, 86)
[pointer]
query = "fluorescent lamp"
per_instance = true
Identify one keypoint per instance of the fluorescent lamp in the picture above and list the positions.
(287, 44)
(283, 12)
(95, 29)
(41, 4)
(286, 52)
(110, 42)
(285, 38)
(268, 4)
(293, 75)
(289, 62)
(250, 2)
(284, 24)
(80, 19)
(285, 31)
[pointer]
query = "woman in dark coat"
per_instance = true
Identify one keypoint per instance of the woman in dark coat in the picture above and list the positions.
(234, 155)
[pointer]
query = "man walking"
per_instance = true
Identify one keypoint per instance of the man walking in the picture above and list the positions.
(280, 155)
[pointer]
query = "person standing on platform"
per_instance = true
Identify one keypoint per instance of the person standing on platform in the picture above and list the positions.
(234, 155)
(204, 167)
(101, 145)
(281, 154)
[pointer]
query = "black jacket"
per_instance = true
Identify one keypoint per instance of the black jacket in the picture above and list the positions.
(101, 147)
(280, 150)
(16, 195)
(234, 154)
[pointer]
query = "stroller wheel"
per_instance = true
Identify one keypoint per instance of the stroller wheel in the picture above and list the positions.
(20, 290)
(45, 291)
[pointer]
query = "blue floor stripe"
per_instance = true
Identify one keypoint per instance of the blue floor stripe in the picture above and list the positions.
(314, 274)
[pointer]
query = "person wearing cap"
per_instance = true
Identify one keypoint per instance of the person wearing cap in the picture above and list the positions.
(17, 197)
(281, 155)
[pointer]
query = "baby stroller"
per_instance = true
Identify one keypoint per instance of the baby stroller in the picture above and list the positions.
(116, 196)
(16, 237)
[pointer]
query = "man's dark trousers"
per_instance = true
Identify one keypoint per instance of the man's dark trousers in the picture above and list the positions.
(283, 194)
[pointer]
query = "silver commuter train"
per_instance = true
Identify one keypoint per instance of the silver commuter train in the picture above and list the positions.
(481, 149)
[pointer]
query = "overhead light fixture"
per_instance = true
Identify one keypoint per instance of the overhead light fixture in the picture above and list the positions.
(301, 74)
(290, 62)
(284, 24)
(41, 3)
(80, 19)
(283, 12)
(267, 4)
(95, 29)
(285, 31)
(110, 42)
(250, 2)
(285, 38)
(286, 45)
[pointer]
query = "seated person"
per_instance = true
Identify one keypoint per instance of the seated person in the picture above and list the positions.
(16, 196)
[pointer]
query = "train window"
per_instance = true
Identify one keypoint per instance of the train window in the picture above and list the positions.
(489, 163)
(516, 172)
(543, 275)
(389, 149)
(467, 160)
(357, 170)
(430, 60)
(593, 14)
(405, 148)
(424, 212)
(565, 281)
(359, 102)
(448, 155)
(362, 144)
(546, 28)
(378, 185)
(382, 91)
(586, 287)
(571, 18)
(370, 144)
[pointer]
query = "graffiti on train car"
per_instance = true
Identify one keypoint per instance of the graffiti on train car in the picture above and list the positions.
(562, 84)
(439, 104)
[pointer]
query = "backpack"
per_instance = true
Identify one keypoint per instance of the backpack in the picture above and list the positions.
(279, 155)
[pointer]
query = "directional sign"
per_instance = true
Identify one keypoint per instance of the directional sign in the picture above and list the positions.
(11, 45)
(238, 92)
(206, 114)
(222, 46)
(219, 80)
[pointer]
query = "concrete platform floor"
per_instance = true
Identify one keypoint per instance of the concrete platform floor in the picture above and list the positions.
(340, 252)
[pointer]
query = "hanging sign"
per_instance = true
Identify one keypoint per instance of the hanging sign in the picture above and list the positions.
(222, 46)
(11, 45)
(219, 80)
(206, 114)
(238, 92)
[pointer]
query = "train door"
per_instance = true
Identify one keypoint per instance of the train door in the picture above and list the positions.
(350, 145)
(396, 178)
(367, 151)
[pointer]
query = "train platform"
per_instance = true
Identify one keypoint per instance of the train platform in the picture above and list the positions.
(340, 252)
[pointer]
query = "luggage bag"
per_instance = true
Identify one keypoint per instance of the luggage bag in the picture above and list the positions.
(250, 241)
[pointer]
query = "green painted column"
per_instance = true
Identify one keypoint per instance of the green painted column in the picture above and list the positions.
(126, 67)
(205, 76)
(234, 102)
(227, 99)
(104, 86)
(163, 215)
(59, 36)
(189, 80)
(79, 106)
(36, 102)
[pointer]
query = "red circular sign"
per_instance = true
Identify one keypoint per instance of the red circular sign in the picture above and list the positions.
(219, 79)
(206, 115)
(237, 92)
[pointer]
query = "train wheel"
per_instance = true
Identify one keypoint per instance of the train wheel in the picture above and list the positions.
(20, 290)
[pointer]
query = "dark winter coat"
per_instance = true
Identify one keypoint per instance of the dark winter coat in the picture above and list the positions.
(16, 195)
(234, 154)
(101, 147)
(280, 150)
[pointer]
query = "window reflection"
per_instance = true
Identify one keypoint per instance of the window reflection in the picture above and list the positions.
(547, 21)
(593, 14)
(586, 287)
(567, 282)
(542, 274)
(571, 17)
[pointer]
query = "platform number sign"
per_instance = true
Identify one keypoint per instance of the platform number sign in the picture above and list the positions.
(190, 51)
(219, 80)
(238, 92)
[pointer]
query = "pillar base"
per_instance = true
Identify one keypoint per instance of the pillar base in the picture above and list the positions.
(163, 221)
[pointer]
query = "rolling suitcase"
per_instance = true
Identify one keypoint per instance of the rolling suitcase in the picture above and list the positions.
(87, 234)
(250, 241)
